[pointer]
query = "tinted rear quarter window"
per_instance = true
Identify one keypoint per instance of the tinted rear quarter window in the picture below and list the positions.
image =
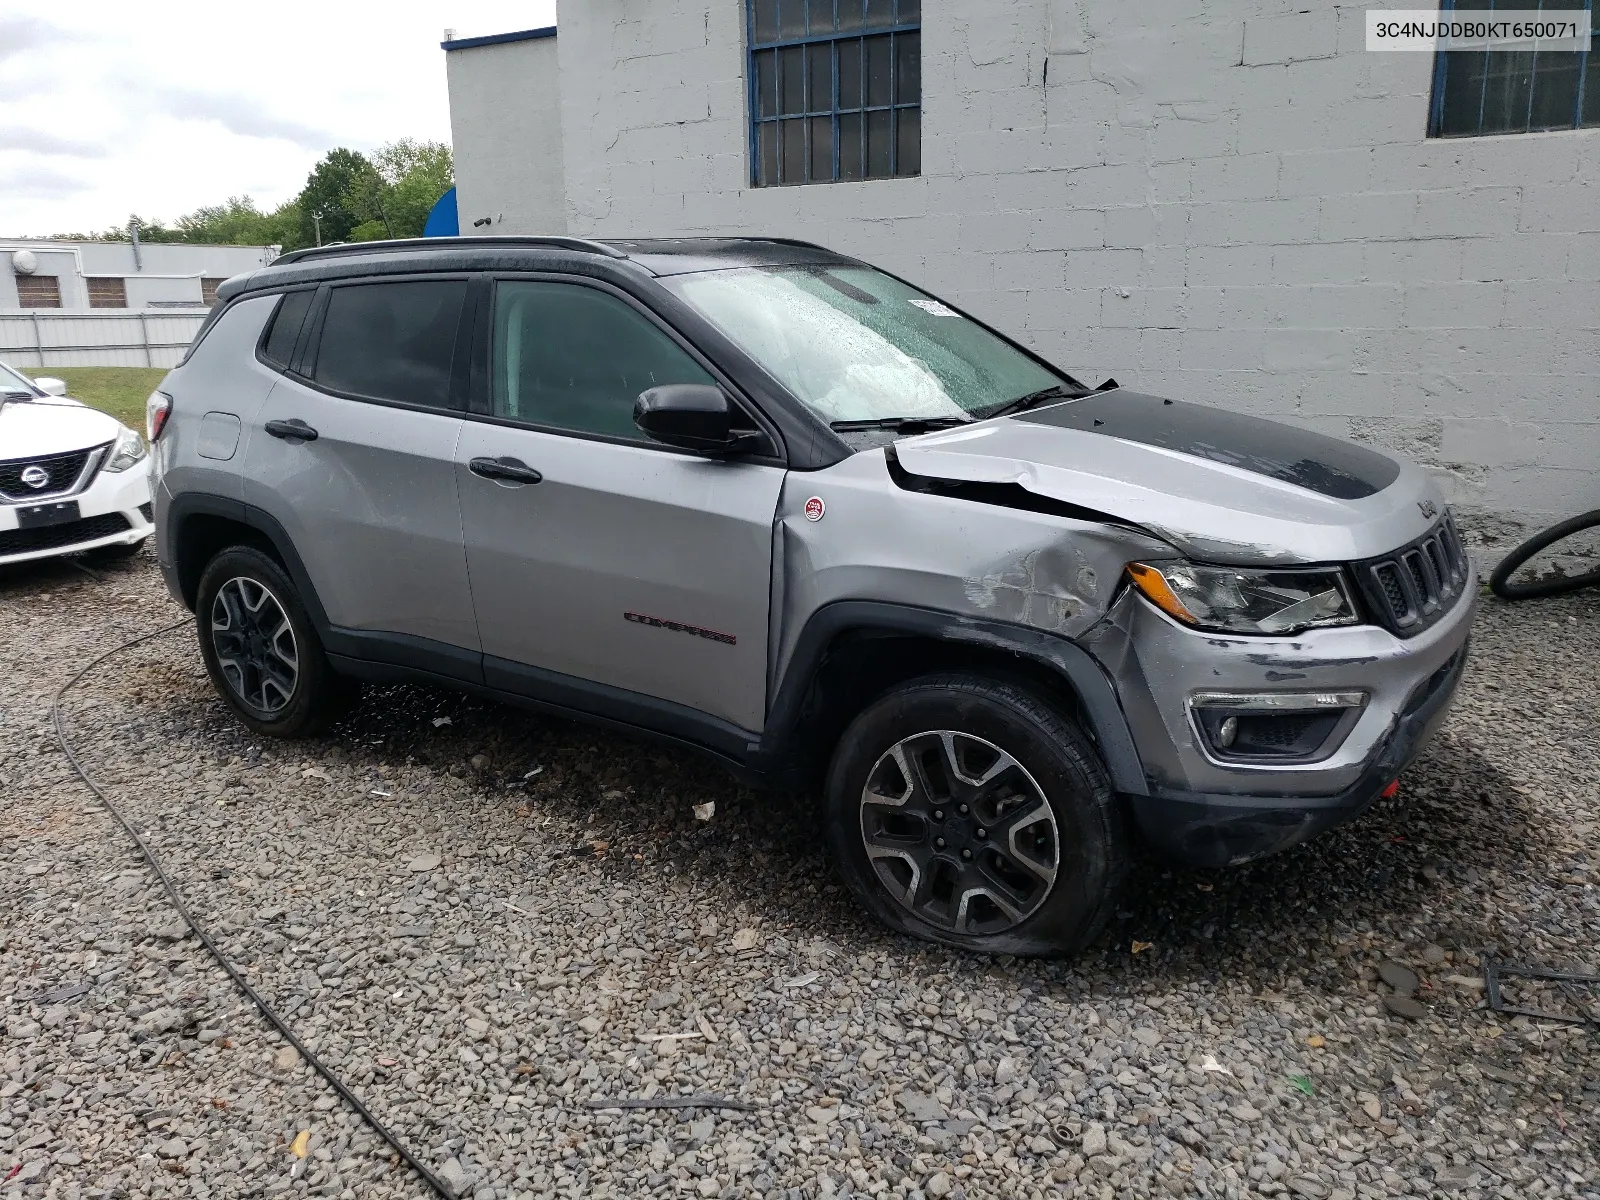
(391, 341)
(285, 330)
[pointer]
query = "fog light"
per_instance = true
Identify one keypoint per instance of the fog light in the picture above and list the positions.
(1273, 727)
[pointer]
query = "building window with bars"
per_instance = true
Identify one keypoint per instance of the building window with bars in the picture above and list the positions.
(105, 292)
(208, 289)
(835, 90)
(1478, 92)
(38, 291)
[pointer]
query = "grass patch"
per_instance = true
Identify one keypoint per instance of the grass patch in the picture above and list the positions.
(120, 391)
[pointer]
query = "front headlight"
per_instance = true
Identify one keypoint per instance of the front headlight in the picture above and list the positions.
(128, 450)
(1235, 600)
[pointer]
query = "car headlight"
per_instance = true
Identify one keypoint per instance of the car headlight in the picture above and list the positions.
(1237, 600)
(128, 450)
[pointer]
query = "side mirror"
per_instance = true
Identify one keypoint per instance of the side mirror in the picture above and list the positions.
(693, 416)
(50, 385)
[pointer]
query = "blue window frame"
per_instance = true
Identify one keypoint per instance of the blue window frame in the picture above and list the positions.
(1476, 92)
(835, 90)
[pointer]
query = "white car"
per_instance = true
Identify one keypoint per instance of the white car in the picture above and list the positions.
(71, 478)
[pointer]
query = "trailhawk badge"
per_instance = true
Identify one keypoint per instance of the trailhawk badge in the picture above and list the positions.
(1429, 509)
(815, 508)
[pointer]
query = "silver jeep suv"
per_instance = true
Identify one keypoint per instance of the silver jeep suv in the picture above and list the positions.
(764, 500)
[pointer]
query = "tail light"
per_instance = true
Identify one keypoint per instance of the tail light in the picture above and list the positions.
(156, 411)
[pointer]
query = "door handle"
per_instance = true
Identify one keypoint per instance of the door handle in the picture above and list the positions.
(293, 428)
(512, 470)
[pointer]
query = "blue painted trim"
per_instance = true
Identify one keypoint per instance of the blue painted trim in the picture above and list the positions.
(1436, 101)
(497, 39)
(751, 99)
(814, 39)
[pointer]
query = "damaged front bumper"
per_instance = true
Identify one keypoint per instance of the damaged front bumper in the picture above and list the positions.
(1208, 811)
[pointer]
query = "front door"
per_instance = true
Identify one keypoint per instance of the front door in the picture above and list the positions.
(628, 575)
(368, 495)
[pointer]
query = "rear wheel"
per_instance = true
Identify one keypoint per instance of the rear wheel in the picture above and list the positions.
(260, 648)
(969, 811)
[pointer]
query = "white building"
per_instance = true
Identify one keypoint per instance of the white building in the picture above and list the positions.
(83, 303)
(36, 273)
(1229, 201)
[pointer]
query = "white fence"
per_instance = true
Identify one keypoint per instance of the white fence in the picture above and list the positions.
(145, 338)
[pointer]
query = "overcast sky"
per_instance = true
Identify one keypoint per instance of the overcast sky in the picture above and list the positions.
(112, 108)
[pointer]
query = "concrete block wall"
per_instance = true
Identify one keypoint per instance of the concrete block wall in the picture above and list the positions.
(505, 125)
(1228, 201)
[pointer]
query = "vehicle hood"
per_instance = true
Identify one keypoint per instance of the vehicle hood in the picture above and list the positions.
(53, 425)
(1219, 486)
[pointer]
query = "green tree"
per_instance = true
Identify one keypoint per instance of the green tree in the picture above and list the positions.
(325, 198)
(394, 196)
(238, 222)
(151, 229)
(352, 198)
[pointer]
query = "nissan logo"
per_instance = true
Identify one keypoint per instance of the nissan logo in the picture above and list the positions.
(35, 476)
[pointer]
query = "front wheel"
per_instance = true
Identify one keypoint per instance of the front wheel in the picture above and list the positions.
(260, 648)
(969, 811)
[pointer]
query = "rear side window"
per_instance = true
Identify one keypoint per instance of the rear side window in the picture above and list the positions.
(570, 357)
(286, 322)
(391, 341)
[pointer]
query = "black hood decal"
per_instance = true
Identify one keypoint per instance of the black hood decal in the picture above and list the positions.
(1318, 463)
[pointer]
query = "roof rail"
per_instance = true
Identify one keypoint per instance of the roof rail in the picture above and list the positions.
(783, 241)
(444, 243)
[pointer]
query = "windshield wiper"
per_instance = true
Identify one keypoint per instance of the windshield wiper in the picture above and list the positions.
(1056, 391)
(900, 424)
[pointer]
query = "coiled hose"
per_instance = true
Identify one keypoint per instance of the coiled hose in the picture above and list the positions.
(1500, 582)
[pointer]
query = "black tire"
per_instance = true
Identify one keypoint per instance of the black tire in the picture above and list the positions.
(1048, 754)
(265, 698)
(114, 553)
(1500, 582)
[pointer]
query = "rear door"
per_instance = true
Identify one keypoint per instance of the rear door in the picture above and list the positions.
(353, 453)
(629, 573)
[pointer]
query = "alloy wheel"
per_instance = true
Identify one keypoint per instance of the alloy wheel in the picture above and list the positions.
(959, 832)
(255, 644)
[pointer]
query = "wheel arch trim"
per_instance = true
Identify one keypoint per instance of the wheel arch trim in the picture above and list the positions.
(1065, 659)
(183, 508)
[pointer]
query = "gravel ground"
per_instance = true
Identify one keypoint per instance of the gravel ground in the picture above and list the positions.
(487, 921)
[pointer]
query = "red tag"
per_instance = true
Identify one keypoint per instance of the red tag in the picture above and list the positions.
(815, 508)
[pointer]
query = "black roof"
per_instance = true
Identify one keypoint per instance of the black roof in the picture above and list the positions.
(653, 256)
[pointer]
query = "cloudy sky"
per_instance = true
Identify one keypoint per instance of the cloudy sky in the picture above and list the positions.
(113, 108)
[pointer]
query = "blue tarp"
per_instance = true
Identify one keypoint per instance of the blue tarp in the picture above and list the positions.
(442, 221)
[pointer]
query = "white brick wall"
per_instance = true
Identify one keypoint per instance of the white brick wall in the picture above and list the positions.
(1222, 200)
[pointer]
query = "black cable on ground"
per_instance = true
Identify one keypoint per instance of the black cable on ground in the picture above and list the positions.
(234, 973)
(1500, 582)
